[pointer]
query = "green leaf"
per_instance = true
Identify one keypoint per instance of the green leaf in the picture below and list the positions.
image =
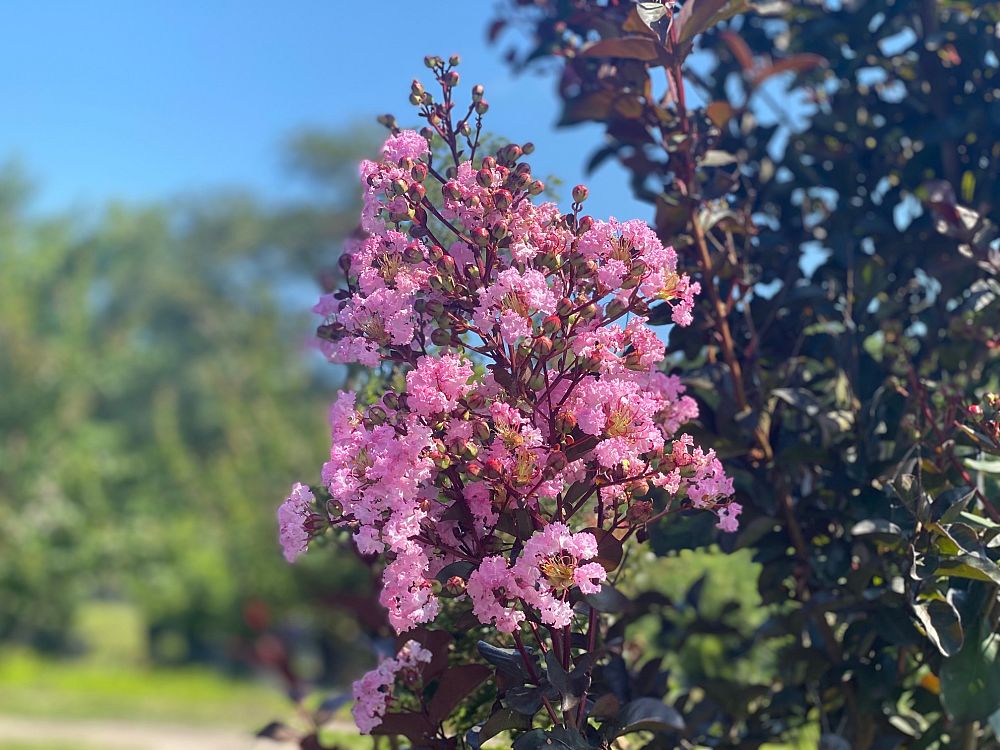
(883, 530)
(974, 567)
(970, 681)
(947, 506)
(608, 599)
(501, 721)
(629, 48)
(942, 623)
(987, 466)
(507, 660)
(699, 15)
(646, 714)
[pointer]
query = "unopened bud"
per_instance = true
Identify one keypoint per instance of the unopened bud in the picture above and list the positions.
(450, 79)
(391, 400)
(482, 107)
(585, 224)
(419, 172)
(493, 468)
(537, 187)
(484, 177)
(440, 337)
(580, 193)
(454, 586)
(543, 345)
(551, 324)
(416, 192)
(413, 253)
(454, 60)
(502, 199)
(528, 148)
(480, 236)
(477, 92)
(482, 431)
(588, 311)
(565, 422)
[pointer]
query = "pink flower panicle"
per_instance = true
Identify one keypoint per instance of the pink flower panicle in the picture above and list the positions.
(373, 692)
(530, 385)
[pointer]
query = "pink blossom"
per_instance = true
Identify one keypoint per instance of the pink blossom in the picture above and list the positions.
(436, 384)
(292, 516)
(406, 144)
(373, 692)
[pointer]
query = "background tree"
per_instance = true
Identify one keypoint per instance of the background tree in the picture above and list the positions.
(157, 396)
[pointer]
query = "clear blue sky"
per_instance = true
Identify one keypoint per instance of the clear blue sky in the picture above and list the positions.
(140, 100)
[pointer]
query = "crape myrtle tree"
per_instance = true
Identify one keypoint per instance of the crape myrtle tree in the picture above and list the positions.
(521, 438)
(827, 172)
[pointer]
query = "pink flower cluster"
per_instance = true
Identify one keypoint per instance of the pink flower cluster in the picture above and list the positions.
(373, 692)
(528, 403)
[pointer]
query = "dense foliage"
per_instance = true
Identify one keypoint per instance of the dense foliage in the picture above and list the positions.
(827, 172)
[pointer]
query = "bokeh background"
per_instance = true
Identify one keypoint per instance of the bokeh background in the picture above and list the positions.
(175, 179)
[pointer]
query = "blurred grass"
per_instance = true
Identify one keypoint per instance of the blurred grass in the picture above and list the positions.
(34, 686)
(112, 680)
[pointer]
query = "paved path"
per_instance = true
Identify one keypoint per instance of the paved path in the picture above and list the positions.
(120, 735)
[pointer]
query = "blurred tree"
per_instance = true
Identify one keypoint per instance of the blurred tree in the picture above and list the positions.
(157, 399)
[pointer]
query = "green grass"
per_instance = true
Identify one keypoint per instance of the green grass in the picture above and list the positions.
(83, 689)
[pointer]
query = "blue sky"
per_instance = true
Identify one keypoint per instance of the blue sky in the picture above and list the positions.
(137, 101)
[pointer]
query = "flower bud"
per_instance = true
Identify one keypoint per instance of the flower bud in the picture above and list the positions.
(537, 383)
(454, 586)
(482, 431)
(413, 254)
(482, 107)
(565, 422)
(451, 191)
(440, 337)
(493, 468)
(427, 134)
(450, 79)
(477, 92)
(580, 193)
(585, 224)
(419, 172)
(416, 192)
(537, 187)
(344, 261)
(434, 309)
(454, 60)
(398, 186)
(469, 450)
(480, 236)
(430, 61)
(543, 345)
(588, 311)
(484, 177)
(502, 199)
(391, 400)
(551, 324)
(500, 230)
(528, 148)
(377, 415)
